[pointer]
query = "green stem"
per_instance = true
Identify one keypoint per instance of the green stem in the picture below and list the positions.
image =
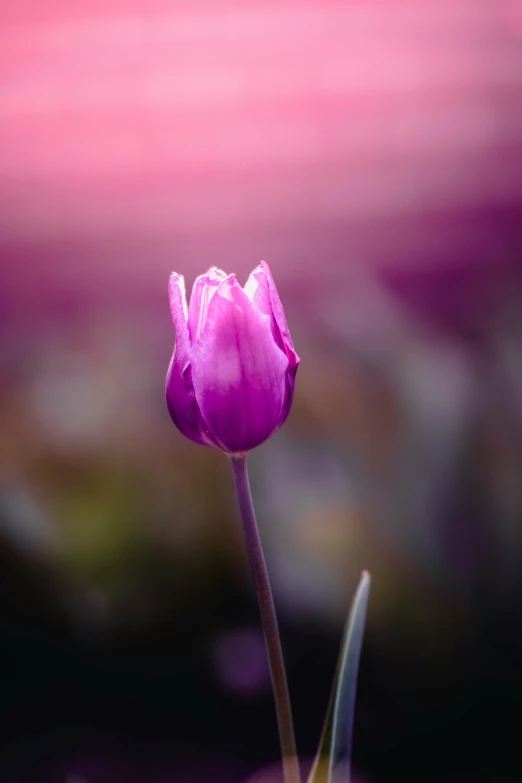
(268, 620)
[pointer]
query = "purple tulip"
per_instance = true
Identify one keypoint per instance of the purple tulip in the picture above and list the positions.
(231, 380)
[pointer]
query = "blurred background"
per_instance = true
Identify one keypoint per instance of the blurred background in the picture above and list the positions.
(371, 152)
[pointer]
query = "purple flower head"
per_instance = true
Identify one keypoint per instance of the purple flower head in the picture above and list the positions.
(231, 379)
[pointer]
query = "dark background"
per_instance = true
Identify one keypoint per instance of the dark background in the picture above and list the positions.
(370, 152)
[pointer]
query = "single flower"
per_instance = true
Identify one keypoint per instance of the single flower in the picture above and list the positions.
(231, 379)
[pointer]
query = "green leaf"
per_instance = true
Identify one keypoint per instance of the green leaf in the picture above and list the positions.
(332, 763)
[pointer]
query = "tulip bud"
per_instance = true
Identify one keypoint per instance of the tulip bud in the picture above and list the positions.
(231, 379)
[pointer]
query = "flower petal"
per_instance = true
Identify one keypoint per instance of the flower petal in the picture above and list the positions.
(238, 370)
(179, 391)
(256, 288)
(289, 392)
(203, 290)
(178, 310)
(277, 309)
(263, 275)
(261, 289)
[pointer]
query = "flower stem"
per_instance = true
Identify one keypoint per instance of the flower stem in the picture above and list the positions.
(268, 620)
